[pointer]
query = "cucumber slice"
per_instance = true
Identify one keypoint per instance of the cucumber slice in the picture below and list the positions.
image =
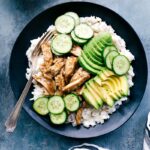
(56, 53)
(108, 49)
(121, 65)
(83, 31)
(40, 106)
(56, 105)
(62, 44)
(72, 102)
(109, 58)
(64, 24)
(58, 119)
(76, 39)
(74, 16)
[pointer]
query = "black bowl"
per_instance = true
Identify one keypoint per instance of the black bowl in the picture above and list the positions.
(19, 63)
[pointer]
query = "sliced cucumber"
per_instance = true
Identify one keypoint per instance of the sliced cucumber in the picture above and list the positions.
(83, 31)
(64, 24)
(108, 49)
(76, 39)
(62, 44)
(72, 102)
(56, 53)
(40, 106)
(109, 58)
(74, 16)
(56, 105)
(121, 65)
(58, 119)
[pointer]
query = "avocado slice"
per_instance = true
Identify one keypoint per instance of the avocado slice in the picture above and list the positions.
(98, 58)
(98, 80)
(94, 86)
(104, 95)
(124, 85)
(94, 55)
(99, 47)
(94, 42)
(106, 38)
(89, 98)
(91, 47)
(91, 64)
(113, 81)
(109, 88)
(98, 62)
(94, 93)
(105, 74)
(86, 66)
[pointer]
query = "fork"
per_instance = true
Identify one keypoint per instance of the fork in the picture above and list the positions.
(11, 121)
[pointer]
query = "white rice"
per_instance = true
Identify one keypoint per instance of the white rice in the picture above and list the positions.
(90, 116)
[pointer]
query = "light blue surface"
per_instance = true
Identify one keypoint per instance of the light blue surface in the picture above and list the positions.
(29, 135)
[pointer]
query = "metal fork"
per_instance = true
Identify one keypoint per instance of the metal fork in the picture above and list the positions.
(11, 121)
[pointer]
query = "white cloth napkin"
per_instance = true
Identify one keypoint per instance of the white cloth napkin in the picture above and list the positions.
(87, 146)
(146, 143)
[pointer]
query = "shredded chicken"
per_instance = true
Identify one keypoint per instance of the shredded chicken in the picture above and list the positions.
(48, 76)
(49, 85)
(60, 83)
(76, 50)
(48, 57)
(57, 66)
(78, 116)
(78, 74)
(70, 66)
(78, 82)
(45, 92)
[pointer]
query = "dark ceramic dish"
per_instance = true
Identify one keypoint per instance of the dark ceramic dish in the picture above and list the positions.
(19, 63)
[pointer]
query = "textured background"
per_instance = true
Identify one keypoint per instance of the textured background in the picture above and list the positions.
(29, 135)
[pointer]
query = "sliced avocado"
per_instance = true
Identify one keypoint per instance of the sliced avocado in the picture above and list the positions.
(106, 38)
(116, 88)
(101, 45)
(117, 81)
(89, 98)
(105, 74)
(104, 95)
(86, 66)
(94, 93)
(108, 73)
(94, 86)
(92, 49)
(90, 63)
(98, 80)
(93, 59)
(124, 85)
(99, 58)
(98, 46)
(109, 88)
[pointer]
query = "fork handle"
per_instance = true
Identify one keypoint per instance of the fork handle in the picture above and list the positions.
(11, 121)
